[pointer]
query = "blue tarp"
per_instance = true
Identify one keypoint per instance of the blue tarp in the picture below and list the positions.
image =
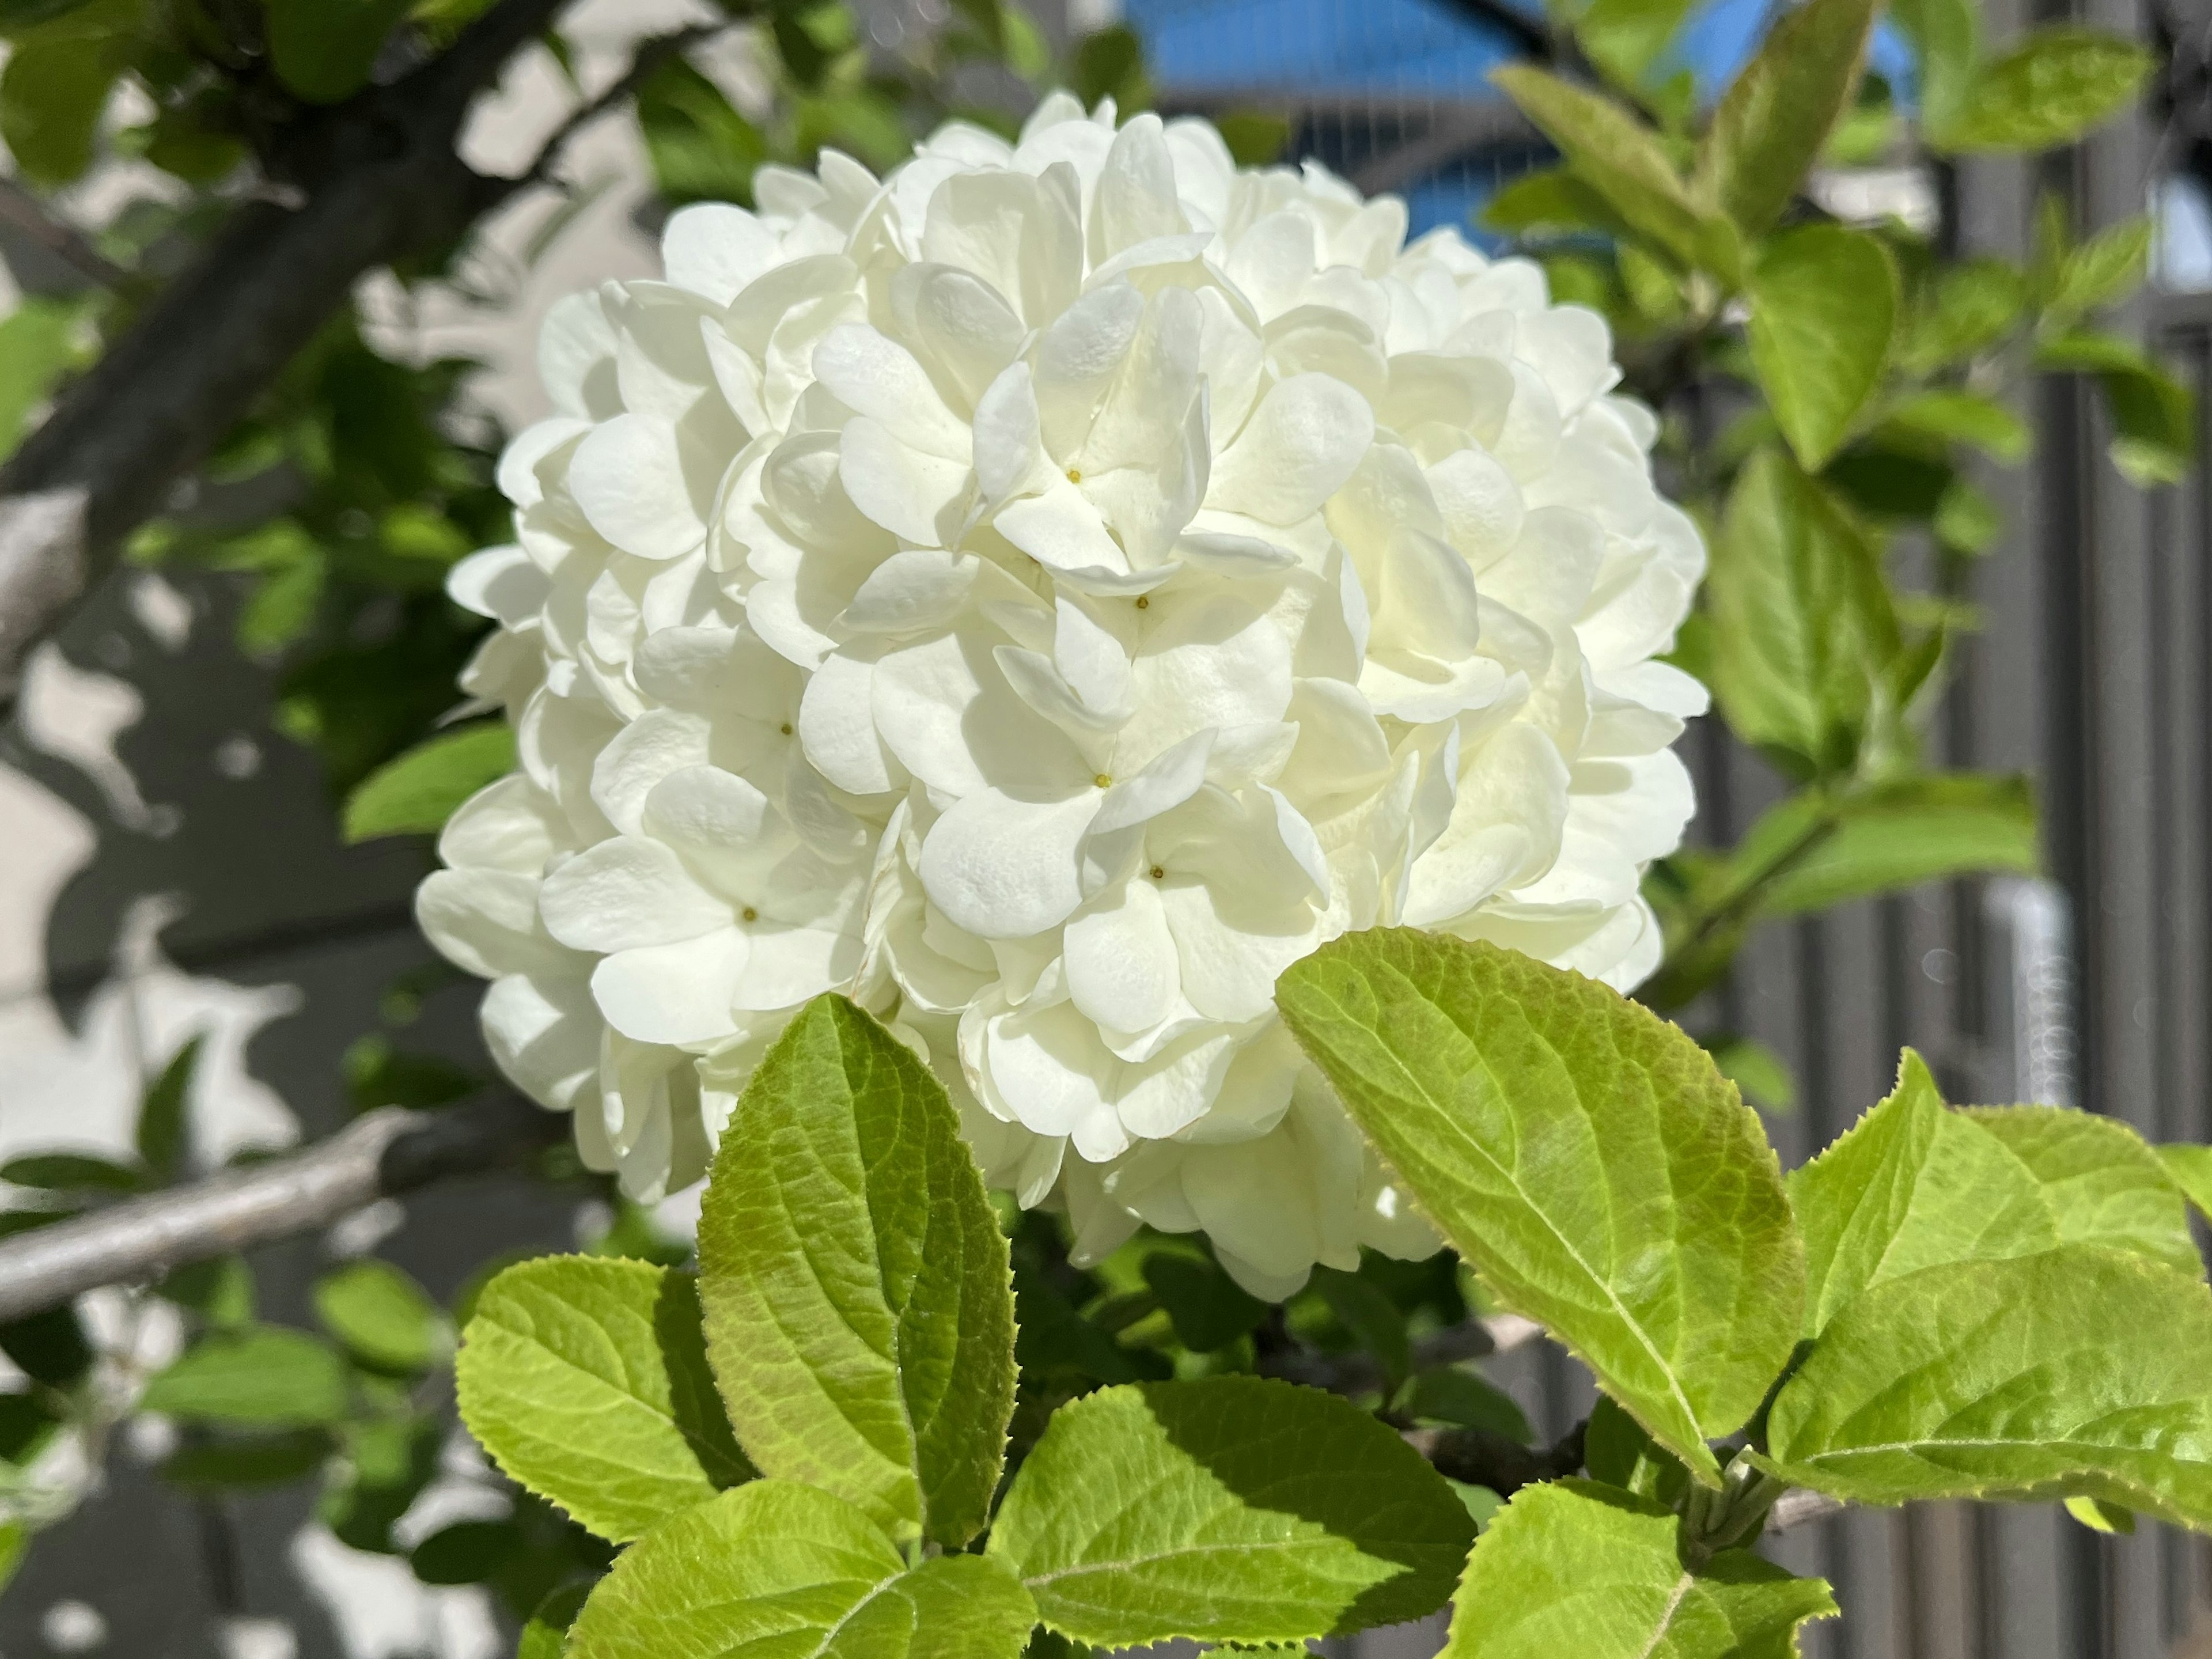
(1398, 49)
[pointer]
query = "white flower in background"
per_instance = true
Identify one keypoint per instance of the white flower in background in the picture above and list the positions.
(1042, 596)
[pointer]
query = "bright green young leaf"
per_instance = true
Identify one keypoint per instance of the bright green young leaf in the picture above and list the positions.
(2107, 267)
(2101, 1517)
(1966, 520)
(2156, 419)
(2191, 1170)
(2050, 88)
(1233, 1509)
(1778, 111)
(1965, 417)
(586, 1378)
(777, 1568)
(1917, 829)
(1564, 1139)
(15, 1540)
(1620, 158)
(1552, 202)
(1910, 1185)
(383, 1317)
(2104, 1184)
(1946, 37)
(164, 1133)
(38, 346)
(547, 1632)
(262, 1376)
(2079, 1370)
(324, 50)
(416, 794)
(1972, 305)
(1573, 1567)
(860, 1304)
(1624, 37)
(1761, 1075)
(1823, 308)
(1800, 616)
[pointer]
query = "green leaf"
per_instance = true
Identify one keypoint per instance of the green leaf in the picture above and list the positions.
(779, 1568)
(859, 1305)
(1910, 1185)
(1972, 305)
(15, 1540)
(547, 1631)
(1778, 113)
(51, 94)
(1110, 64)
(1208, 1308)
(2077, 1372)
(1465, 1399)
(1236, 1509)
(386, 1462)
(1965, 417)
(324, 50)
(1552, 202)
(701, 149)
(163, 1132)
(1916, 831)
(1621, 159)
(1620, 1451)
(71, 1172)
(1946, 37)
(273, 1460)
(260, 1376)
(1823, 308)
(416, 794)
(1800, 618)
(2105, 1185)
(1564, 1138)
(2107, 267)
(220, 1290)
(1624, 37)
(384, 1319)
(465, 1552)
(2053, 86)
(2101, 1517)
(2191, 1170)
(1571, 1567)
(1256, 138)
(49, 1347)
(38, 346)
(1761, 1075)
(586, 1378)
(1372, 1318)
(1966, 520)
(27, 1423)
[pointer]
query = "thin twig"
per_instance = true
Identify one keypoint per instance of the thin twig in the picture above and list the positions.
(645, 62)
(386, 1153)
(19, 208)
(1794, 1509)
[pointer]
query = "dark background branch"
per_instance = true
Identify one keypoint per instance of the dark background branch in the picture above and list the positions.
(371, 181)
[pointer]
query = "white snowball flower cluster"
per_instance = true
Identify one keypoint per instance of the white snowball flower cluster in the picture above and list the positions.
(1042, 594)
